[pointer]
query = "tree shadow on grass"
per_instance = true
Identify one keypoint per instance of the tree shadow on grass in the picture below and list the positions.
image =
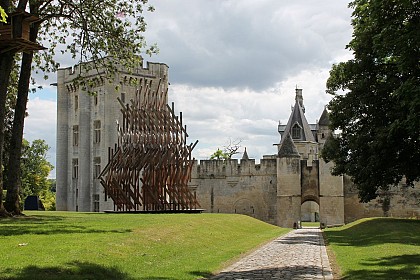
(69, 271)
(202, 274)
(395, 267)
(46, 225)
(19, 229)
(377, 231)
(32, 218)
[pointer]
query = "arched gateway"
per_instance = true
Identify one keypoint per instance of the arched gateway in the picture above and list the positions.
(301, 174)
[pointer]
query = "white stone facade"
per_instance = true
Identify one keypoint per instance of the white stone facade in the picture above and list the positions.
(87, 128)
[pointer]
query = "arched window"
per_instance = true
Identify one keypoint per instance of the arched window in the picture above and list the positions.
(296, 131)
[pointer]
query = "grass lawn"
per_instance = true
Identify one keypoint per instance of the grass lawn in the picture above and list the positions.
(68, 245)
(310, 224)
(378, 248)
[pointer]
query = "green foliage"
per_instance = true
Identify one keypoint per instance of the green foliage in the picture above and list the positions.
(376, 100)
(71, 245)
(48, 199)
(228, 151)
(3, 15)
(90, 33)
(35, 170)
(219, 155)
(378, 248)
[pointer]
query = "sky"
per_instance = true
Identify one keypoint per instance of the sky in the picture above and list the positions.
(234, 66)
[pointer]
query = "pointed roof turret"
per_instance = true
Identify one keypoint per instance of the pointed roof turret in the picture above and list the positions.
(245, 155)
(288, 148)
(325, 118)
(298, 126)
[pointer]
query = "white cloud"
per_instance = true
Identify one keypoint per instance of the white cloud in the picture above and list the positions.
(215, 115)
(234, 66)
(41, 124)
(240, 44)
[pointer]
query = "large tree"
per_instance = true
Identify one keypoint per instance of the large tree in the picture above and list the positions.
(376, 103)
(90, 30)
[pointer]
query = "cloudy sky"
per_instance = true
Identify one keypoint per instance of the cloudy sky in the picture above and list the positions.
(233, 67)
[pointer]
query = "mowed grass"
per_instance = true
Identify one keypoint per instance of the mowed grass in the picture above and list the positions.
(310, 224)
(66, 245)
(378, 248)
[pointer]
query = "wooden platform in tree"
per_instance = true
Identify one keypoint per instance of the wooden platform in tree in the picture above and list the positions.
(14, 35)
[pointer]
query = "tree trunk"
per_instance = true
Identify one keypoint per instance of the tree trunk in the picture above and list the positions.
(6, 63)
(12, 204)
(13, 183)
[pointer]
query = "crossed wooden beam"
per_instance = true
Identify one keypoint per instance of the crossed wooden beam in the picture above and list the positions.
(150, 166)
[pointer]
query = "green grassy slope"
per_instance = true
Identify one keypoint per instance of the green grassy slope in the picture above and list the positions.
(378, 248)
(65, 245)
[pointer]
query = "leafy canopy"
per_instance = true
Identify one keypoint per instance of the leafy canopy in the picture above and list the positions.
(90, 31)
(219, 155)
(35, 168)
(3, 15)
(376, 101)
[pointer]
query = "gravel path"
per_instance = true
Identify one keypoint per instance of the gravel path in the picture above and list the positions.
(300, 254)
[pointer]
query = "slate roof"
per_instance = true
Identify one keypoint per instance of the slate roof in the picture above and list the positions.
(245, 155)
(324, 119)
(298, 116)
(288, 148)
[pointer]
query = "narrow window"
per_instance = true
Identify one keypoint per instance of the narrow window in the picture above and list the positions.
(75, 168)
(75, 135)
(123, 97)
(296, 131)
(97, 167)
(76, 102)
(96, 203)
(97, 131)
(95, 99)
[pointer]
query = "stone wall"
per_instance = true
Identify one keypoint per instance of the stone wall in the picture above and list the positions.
(403, 202)
(232, 187)
(331, 194)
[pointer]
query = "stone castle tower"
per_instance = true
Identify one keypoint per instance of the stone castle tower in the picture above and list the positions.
(302, 176)
(86, 128)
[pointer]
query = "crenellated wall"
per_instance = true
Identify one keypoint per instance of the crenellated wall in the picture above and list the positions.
(237, 187)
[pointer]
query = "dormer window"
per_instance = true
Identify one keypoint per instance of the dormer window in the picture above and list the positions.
(296, 131)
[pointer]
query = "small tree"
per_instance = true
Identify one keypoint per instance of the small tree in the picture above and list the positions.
(35, 168)
(219, 155)
(232, 148)
(228, 151)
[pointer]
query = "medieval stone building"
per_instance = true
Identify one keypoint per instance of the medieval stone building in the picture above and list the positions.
(292, 185)
(87, 114)
(295, 184)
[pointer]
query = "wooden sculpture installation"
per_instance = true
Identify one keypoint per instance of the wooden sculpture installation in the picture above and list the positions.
(150, 166)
